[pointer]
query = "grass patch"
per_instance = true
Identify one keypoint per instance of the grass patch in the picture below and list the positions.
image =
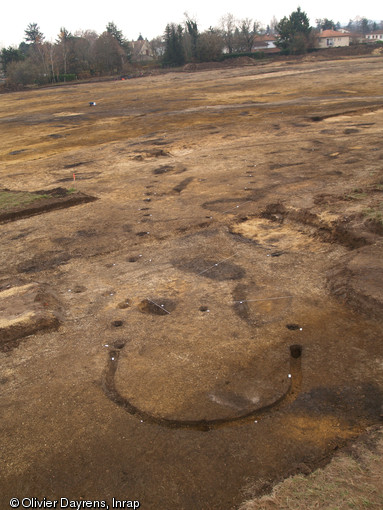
(351, 480)
(18, 199)
(356, 195)
(374, 214)
(11, 199)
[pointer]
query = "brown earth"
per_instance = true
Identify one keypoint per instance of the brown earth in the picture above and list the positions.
(218, 308)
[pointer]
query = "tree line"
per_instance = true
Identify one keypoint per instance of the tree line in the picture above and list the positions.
(70, 56)
(85, 53)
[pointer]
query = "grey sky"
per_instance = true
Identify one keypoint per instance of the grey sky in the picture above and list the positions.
(150, 17)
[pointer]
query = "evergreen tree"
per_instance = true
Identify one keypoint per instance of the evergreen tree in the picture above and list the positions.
(192, 30)
(294, 32)
(325, 24)
(33, 34)
(350, 26)
(112, 30)
(9, 55)
(37, 51)
(364, 26)
(174, 51)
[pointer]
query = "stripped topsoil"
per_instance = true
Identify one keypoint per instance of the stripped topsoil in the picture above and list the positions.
(212, 323)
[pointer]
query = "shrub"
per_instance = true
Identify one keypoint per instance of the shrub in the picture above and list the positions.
(23, 73)
(67, 77)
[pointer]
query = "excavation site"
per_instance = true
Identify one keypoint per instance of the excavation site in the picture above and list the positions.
(191, 280)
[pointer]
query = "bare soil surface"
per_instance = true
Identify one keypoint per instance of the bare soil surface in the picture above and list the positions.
(216, 313)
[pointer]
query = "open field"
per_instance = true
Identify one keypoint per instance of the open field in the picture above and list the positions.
(214, 317)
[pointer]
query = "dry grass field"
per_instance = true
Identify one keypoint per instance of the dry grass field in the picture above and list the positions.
(352, 480)
(190, 281)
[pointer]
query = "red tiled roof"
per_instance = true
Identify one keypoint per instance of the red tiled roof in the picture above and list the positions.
(332, 33)
(264, 38)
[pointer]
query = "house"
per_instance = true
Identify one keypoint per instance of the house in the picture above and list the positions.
(141, 50)
(332, 38)
(374, 36)
(264, 42)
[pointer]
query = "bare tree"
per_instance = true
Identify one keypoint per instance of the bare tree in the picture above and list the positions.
(273, 25)
(228, 24)
(244, 34)
(63, 40)
(108, 54)
(51, 53)
(83, 55)
(22, 72)
(157, 45)
(210, 45)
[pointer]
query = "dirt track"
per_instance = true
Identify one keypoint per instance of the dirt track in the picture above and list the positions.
(239, 214)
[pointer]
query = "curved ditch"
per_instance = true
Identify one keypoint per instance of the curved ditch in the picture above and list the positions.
(291, 393)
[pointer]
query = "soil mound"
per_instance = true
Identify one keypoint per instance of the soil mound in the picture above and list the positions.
(27, 309)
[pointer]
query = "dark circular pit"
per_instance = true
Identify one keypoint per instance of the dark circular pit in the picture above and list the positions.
(293, 327)
(296, 351)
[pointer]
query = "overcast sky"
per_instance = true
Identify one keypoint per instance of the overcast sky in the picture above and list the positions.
(150, 17)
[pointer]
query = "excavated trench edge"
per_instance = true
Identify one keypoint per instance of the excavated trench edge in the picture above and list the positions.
(46, 206)
(355, 111)
(295, 381)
